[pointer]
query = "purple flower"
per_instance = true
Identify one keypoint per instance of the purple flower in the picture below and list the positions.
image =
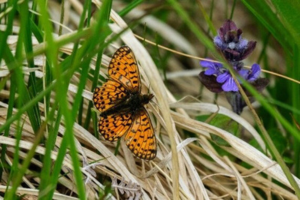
(212, 67)
(217, 78)
(252, 74)
(228, 82)
(236, 100)
(224, 77)
(229, 41)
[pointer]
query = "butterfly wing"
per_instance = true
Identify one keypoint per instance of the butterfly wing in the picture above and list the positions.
(108, 95)
(114, 126)
(123, 69)
(140, 138)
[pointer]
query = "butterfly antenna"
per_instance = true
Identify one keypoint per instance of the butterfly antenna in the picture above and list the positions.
(152, 101)
(148, 88)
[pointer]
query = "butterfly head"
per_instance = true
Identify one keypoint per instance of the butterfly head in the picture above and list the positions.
(146, 98)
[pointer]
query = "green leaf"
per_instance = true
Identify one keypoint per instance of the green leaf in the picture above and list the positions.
(288, 160)
(222, 122)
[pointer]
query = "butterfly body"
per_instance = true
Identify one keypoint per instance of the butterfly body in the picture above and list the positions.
(133, 104)
(121, 105)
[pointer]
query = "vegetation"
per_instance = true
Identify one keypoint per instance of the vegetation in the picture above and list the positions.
(55, 53)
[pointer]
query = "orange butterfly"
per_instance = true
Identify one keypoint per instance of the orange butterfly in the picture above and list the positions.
(122, 106)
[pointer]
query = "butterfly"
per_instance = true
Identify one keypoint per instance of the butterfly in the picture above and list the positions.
(121, 105)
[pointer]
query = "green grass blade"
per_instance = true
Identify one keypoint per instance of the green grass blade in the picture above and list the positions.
(295, 91)
(11, 102)
(265, 15)
(19, 83)
(129, 7)
(9, 24)
(21, 171)
(61, 92)
(47, 161)
(290, 15)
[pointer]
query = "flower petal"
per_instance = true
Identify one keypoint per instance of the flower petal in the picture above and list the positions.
(230, 85)
(210, 71)
(219, 43)
(255, 72)
(205, 63)
(250, 47)
(244, 73)
(255, 69)
(229, 26)
(223, 77)
(212, 67)
(219, 68)
(242, 44)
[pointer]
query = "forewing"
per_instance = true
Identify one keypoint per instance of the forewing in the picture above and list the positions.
(140, 138)
(114, 126)
(123, 68)
(108, 95)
